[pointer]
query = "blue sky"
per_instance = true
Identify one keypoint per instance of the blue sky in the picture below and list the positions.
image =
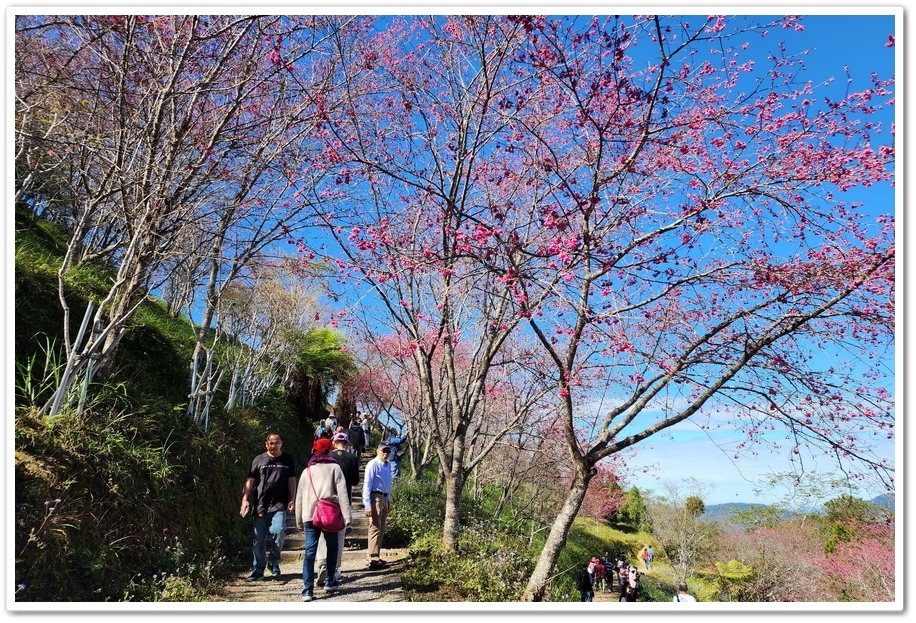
(839, 37)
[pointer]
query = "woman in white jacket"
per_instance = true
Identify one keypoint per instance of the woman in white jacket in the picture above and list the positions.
(322, 479)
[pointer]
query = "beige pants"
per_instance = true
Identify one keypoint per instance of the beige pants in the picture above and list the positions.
(377, 527)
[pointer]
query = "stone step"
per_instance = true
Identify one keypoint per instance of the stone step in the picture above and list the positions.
(296, 538)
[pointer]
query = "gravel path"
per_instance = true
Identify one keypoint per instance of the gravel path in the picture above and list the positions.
(360, 583)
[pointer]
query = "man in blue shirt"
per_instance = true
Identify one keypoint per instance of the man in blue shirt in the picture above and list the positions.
(397, 451)
(376, 494)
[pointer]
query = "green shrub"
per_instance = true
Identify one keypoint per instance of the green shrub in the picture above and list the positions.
(100, 498)
(490, 564)
(418, 509)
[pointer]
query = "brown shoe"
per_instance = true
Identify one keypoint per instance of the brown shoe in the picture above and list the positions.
(377, 564)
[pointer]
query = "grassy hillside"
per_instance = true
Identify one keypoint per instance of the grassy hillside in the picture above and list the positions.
(129, 500)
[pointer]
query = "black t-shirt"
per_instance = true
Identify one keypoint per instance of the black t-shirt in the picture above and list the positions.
(349, 463)
(271, 476)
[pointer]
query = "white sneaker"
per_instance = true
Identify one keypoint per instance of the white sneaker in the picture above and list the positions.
(322, 572)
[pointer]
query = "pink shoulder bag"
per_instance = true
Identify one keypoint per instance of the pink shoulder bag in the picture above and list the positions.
(327, 516)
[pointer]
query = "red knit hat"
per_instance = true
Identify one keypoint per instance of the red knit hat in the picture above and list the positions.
(321, 446)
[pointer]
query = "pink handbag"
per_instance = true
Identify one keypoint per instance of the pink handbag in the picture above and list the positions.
(327, 516)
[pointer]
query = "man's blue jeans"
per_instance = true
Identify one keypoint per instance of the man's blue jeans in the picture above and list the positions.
(311, 550)
(269, 530)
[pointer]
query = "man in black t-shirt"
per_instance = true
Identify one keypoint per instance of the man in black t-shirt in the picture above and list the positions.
(270, 490)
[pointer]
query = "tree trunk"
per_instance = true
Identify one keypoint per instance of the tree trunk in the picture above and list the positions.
(452, 523)
(540, 578)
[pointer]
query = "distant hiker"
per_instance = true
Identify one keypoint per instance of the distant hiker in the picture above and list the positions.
(271, 482)
(322, 479)
(397, 451)
(357, 438)
(645, 556)
(600, 572)
(585, 582)
(622, 566)
(376, 499)
(610, 566)
(682, 595)
(349, 464)
(324, 430)
(366, 423)
(651, 555)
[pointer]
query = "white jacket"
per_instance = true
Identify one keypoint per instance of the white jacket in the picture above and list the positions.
(329, 482)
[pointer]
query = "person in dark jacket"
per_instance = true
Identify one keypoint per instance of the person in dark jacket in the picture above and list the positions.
(585, 581)
(357, 437)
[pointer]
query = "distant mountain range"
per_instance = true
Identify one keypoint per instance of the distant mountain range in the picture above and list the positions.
(724, 511)
(887, 501)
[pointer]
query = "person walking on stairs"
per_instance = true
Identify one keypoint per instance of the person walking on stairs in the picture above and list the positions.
(322, 479)
(271, 483)
(376, 495)
(356, 437)
(349, 464)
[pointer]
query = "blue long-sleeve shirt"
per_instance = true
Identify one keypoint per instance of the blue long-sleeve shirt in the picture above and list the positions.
(396, 442)
(377, 478)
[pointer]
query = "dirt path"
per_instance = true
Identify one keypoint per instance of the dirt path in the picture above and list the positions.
(360, 584)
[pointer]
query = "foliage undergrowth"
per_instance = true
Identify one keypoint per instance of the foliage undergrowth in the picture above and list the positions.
(127, 499)
(491, 564)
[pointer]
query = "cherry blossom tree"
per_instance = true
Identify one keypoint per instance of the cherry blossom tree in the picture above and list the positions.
(702, 258)
(408, 132)
(863, 568)
(781, 563)
(604, 496)
(680, 225)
